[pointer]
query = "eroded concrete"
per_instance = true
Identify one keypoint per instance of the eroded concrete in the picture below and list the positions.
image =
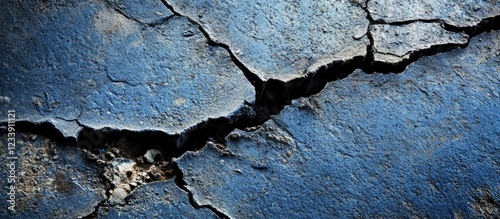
(156, 200)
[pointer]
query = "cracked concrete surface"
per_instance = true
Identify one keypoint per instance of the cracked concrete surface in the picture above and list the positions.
(147, 81)
(165, 197)
(417, 144)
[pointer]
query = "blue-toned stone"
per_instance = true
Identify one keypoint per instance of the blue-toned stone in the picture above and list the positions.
(145, 11)
(396, 43)
(423, 143)
(283, 39)
(458, 13)
(85, 61)
(156, 200)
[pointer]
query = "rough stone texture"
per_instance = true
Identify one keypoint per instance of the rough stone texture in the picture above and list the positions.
(146, 11)
(52, 180)
(85, 61)
(458, 13)
(393, 44)
(282, 39)
(423, 143)
(156, 200)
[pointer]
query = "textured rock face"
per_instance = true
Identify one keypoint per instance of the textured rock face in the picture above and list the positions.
(393, 44)
(160, 199)
(283, 39)
(457, 13)
(87, 62)
(416, 144)
(53, 180)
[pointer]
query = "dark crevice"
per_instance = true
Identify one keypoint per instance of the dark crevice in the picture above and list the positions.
(383, 67)
(136, 143)
(179, 181)
(406, 22)
(45, 129)
(486, 25)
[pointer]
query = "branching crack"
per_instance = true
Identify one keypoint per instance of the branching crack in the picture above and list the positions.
(253, 78)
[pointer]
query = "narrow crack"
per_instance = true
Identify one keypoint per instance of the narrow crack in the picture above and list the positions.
(179, 181)
(150, 24)
(253, 78)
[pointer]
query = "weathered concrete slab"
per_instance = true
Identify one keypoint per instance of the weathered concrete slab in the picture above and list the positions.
(458, 13)
(282, 39)
(423, 143)
(156, 200)
(51, 180)
(86, 61)
(395, 43)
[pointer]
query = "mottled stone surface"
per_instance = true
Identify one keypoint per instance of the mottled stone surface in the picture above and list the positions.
(459, 13)
(395, 43)
(283, 39)
(52, 180)
(63, 61)
(423, 143)
(156, 200)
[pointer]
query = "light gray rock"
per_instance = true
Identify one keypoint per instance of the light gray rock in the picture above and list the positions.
(151, 155)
